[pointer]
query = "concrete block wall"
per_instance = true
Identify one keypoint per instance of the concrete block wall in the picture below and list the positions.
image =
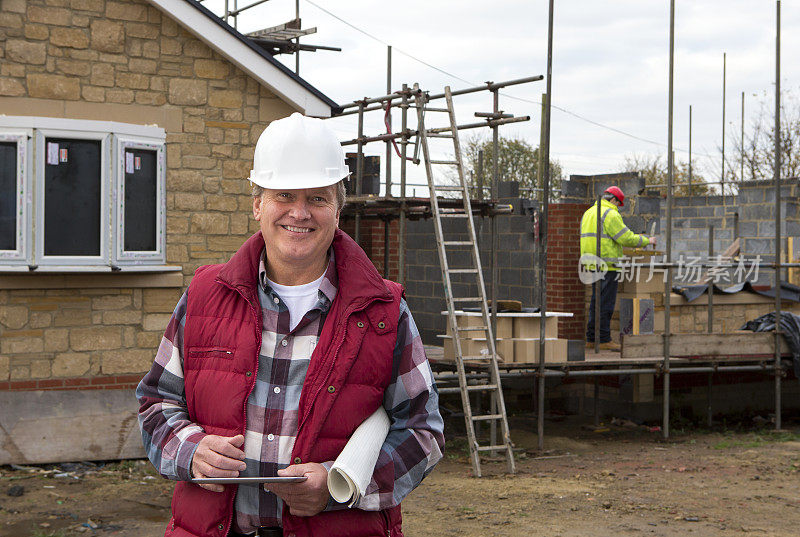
(689, 395)
(754, 205)
(424, 288)
(517, 269)
(692, 218)
(587, 188)
(757, 220)
(641, 207)
(693, 215)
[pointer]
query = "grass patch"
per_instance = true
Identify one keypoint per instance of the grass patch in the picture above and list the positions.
(456, 448)
(759, 439)
(126, 465)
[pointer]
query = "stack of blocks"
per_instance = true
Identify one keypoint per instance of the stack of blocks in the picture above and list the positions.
(517, 338)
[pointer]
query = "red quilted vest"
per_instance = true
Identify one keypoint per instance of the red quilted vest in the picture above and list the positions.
(349, 371)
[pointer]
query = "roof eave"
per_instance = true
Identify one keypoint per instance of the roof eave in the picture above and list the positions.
(248, 57)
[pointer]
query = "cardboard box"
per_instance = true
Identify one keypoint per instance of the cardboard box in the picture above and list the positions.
(505, 349)
(639, 284)
(527, 352)
(530, 327)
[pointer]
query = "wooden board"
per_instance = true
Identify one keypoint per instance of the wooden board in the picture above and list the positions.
(702, 345)
(640, 252)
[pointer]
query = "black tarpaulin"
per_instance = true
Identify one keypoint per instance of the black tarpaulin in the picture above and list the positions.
(692, 292)
(790, 328)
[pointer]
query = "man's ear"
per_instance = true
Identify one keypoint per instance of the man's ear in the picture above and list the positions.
(257, 207)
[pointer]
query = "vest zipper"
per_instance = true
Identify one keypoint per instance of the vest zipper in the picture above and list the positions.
(229, 522)
(388, 522)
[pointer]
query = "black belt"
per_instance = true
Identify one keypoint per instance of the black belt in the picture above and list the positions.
(260, 532)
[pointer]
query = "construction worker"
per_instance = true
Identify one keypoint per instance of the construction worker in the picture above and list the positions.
(614, 235)
(273, 359)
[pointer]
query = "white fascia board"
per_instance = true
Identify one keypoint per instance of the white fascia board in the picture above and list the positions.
(243, 57)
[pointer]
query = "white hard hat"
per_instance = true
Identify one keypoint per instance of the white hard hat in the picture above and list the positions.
(298, 152)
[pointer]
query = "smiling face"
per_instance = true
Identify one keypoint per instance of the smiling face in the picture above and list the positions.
(298, 227)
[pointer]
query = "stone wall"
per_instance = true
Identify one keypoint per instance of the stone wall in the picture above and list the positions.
(63, 333)
(125, 61)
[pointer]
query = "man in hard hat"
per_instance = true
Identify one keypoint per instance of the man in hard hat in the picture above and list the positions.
(273, 359)
(613, 236)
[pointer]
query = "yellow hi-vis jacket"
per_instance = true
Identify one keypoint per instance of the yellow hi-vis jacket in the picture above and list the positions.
(614, 234)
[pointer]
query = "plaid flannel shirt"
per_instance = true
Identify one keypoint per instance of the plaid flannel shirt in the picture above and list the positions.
(412, 448)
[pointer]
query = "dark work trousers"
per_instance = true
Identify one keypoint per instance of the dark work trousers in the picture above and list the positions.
(608, 298)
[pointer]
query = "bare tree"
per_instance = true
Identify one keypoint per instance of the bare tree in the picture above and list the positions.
(759, 142)
(654, 170)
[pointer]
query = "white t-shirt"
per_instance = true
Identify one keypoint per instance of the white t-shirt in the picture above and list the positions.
(299, 299)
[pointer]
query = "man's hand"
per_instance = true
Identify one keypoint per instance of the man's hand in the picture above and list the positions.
(653, 240)
(218, 456)
(307, 498)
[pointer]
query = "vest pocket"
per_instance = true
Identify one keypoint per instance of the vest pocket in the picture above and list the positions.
(210, 352)
(209, 358)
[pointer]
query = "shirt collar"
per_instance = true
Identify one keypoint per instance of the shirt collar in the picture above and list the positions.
(328, 287)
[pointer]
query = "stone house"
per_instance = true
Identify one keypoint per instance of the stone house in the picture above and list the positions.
(127, 128)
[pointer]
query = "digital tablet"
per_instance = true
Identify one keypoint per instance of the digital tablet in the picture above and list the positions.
(245, 480)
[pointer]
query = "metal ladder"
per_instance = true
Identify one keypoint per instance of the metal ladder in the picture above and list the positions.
(490, 385)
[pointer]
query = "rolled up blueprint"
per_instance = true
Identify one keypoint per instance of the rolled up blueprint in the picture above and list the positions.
(352, 471)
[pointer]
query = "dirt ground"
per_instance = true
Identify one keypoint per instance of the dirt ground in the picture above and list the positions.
(618, 480)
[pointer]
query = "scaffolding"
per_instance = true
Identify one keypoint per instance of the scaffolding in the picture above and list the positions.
(403, 208)
(280, 39)
(388, 207)
(668, 365)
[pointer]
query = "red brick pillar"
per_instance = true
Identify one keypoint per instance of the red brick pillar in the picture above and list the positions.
(373, 241)
(565, 292)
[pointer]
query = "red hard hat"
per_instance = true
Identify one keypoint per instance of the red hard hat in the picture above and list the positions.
(617, 193)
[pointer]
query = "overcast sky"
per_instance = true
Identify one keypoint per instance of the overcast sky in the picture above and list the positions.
(610, 65)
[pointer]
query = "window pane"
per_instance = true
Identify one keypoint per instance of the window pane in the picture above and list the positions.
(72, 197)
(140, 200)
(8, 196)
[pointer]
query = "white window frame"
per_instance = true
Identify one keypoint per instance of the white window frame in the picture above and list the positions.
(22, 253)
(122, 256)
(40, 165)
(30, 252)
